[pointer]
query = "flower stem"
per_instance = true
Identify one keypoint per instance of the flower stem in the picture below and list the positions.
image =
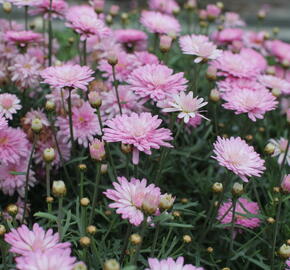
(47, 169)
(81, 184)
(155, 239)
(128, 232)
(95, 195)
(138, 249)
(85, 52)
(59, 217)
(234, 203)
(70, 121)
(50, 35)
(26, 17)
(115, 83)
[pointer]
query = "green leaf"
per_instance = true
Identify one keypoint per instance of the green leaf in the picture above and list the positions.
(17, 173)
(76, 160)
(178, 225)
(46, 215)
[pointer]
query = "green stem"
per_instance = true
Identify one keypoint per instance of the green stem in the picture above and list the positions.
(26, 17)
(81, 184)
(85, 52)
(234, 203)
(70, 121)
(50, 35)
(142, 232)
(59, 217)
(115, 83)
(95, 195)
(127, 236)
(155, 239)
(100, 121)
(47, 169)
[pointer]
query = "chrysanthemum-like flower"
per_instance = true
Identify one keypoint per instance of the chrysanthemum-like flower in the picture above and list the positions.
(142, 131)
(13, 145)
(244, 207)
(22, 3)
(254, 103)
(285, 185)
(232, 19)
(132, 39)
(199, 46)
(228, 35)
(156, 22)
(129, 197)
(85, 124)
(11, 181)
(47, 260)
(35, 114)
(170, 264)
(68, 76)
(22, 38)
(280, 150)
(42, 7)
(280, 49)
(3, 122)
(23, 240)
(246, 64)
(273, 82)
(187, 106)
(145, 58)
(25, 71)
(165, 6)
(9, 104)
(156, 82)
(237, 156)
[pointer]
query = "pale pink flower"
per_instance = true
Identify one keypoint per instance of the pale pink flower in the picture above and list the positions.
(273, 82)
(156, 22)
(3, 122)
(36, 114)
(186, 106)
(285, 185)
(9, 105)
(287, 264)
(132, 39)
(129, 197)
(255, 40)
(142, 131)
(25, 71)
(255, 103)
(85, 124)
(228, 35)
(146, 58)
(42, 7)
(170, 264)
(213, 11)
(280, 150)
(97, 149)
(22, 3)
(47, 260)
(280, 49)
(23, 241)
(7, 51)
(156, 82)
(68, 76)
(165, 6)
(232, 19)
(237, 156)
(195, 121)
(199, 46)
(22, 38)
(104, 46)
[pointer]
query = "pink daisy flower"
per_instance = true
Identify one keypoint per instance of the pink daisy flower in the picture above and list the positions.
(280, 150)
(156, 22)
(273, 82)
(132, 39)
(25, 71)
(85, 124)
(3, 122)
(244, 207)
(195, 121)
(13, 145)
(186, 106)
(129, 198)
(47, 260)
(9, 105)
(253, 102)
(280, 49)
(170, 264)
(213, 11)
(233, 19)
(146, 58)
(11, 182)
(42, 7)
(285, 185)
(36, 114)
(22, 38)
(68, 76)
(22, 3)
(23, 240)
(142, 131)
(156, 82)
(199, 46)
(228, 35)
(237, 156)
(164, 6)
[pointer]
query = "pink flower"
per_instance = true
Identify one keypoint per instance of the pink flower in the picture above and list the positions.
(195, 121)
(25, 71)
(187, 106)
(97, 150)
(246, 64)
(68, 76)
(129, 197)
(244, 207)
(13, 145)
(170, 264)
(85, 124)
(47, 260)
(199, 46)
(42, 7)
(237, 156)
(23, 240)
(165, 6)
(145, 58)
(22, 38)
(253, 102)
(156, 82)
(35, 114)
(280, 49)
(3, 122)
(280, 150)
(22, 3)
(232, 19)
(132, 39)
(9, 104)
(142, 131)
(213, 11)
(255, 40)
(273, 82)
(156, 22)
(286, 183)
(228, 35)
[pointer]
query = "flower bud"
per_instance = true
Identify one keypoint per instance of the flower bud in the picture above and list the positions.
(84, 201)
(82, 167)
(285, 185)
(151, 202)
(276, 30)
(135, 239)
(203, 24)
(211, 73)
(95, 99)
(49, 105)
(249, 137)
(220, 5)
(111, 264)
(104, 168)
(190, 4)
(270, 220)
(276, 189)
(209, 250)
(99, 6)
(80, 266)
(71, 40)
(114, 10)
(284, 251)
(217, 187)
(261, 15)
(166, 201)
(276, 92)
(126, 148)
(186, 238)
(58, 188)
(269, 148)
(285, 63)
(124, 17)
(12, 209)
(214, 95)
(97, 150)
(109, 19)
(108, 212)
(85, 241)
(226, 268)
(48, 155)
(49, 199)
(288, 242)
(176, 213)
(165, 43)
(36, 125)
(184, 200)
(91, 229)
(7, 7)
(112, 59)
(238, 189)
(2, 230)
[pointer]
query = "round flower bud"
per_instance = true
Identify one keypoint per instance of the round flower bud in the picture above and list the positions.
(151, 202)
(49, 199)
(135, 239)
(108, 212)
(190, 4)
(80, 266)
(71, 40)
(276, 92)
(165, 43)
(209, 250)
(269, 148)
(220, 5)
(211, 73)
(166, 201)
(85, 241)
(288, 242)
(217, 187)
(124, 17)
(271, 70)
(238, 189)
(84, 201)
(261, 129)
(276, 30)
(126, 148)
(91, 229)
(203, 24)
(249, 137)
(36, 125)
(112, 59)
(214, 95)
(270, 220)
(95, 99)
(48, 155)
(226, 268)
(186, 238)
(184, 200)
(261, 15)
(7, 7)
(2, 230)
(109, 19)
(82, 167)
(104, 168)
(276, 189)
(58, 188)
(176, 213)
(285, 185)
(12, 209)
(284, 251)
(114, 10)
(276, 200)
(49, 106)
(97, 150)
(285, 63)
(111, 264)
